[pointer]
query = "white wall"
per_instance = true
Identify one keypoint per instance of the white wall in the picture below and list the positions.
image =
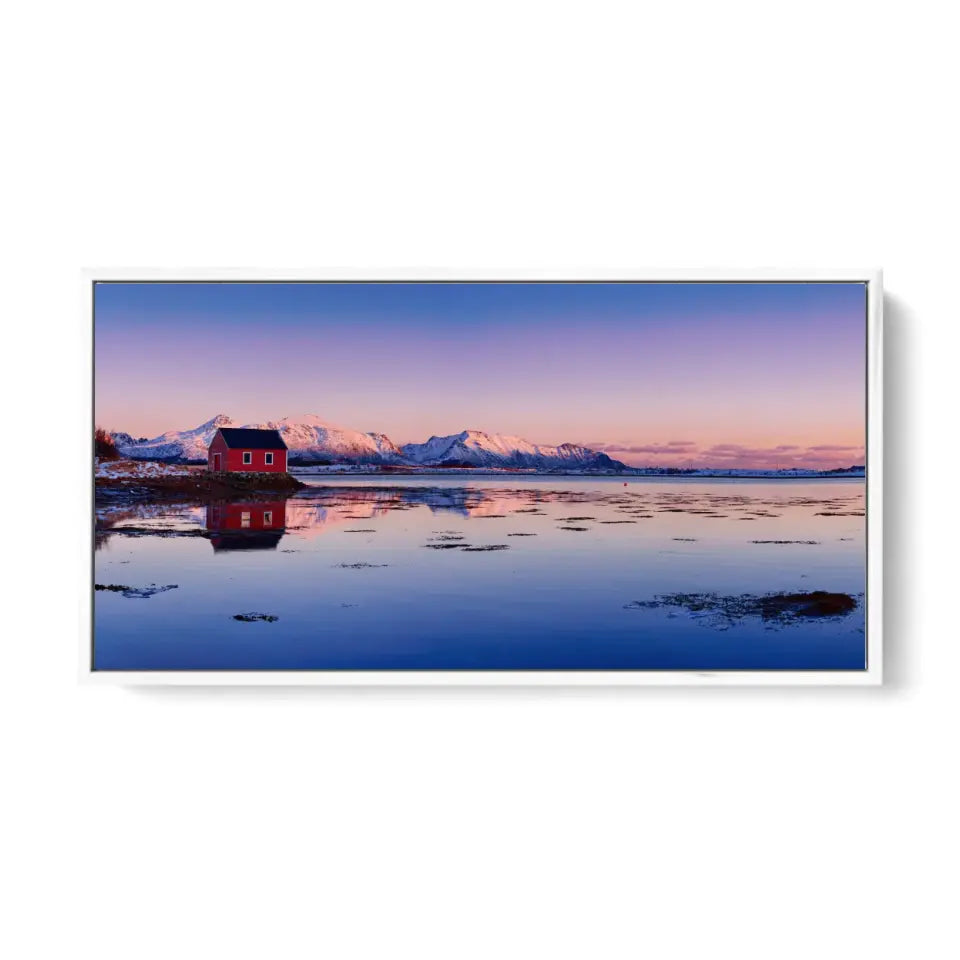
(431, 824)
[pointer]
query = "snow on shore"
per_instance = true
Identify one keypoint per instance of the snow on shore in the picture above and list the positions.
(135, 469)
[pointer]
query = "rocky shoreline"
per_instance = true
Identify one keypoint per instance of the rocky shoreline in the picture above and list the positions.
(189, 484)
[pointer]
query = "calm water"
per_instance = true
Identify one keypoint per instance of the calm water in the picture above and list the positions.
(368, 573)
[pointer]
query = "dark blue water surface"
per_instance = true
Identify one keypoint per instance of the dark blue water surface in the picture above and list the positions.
(364, 573)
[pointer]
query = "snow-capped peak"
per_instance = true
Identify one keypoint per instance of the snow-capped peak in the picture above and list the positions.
(305, 419)
(176, 444)
(478, 448)
(220, 420)
(308, 437)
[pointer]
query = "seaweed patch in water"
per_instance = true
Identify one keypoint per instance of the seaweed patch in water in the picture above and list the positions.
(487, 548)
(357, 530)
(686, 539)
(521, 534)
(616, 521)
(156, 531)
(359, 566)
(808, 542)
(444, 546)
(254, 617)
(581, 529)
(780, 608)
(142, 593)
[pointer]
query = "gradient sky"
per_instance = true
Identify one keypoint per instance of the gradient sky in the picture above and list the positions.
(735, 374)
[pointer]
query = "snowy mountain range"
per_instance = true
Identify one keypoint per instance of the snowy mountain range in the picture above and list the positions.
(310, 438)
(475, 448)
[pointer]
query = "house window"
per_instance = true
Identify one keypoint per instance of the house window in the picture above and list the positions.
(245, 519)
(267, 518)
(268, 459)
(247, 457)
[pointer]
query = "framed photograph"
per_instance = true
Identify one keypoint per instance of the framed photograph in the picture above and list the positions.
(481, 478)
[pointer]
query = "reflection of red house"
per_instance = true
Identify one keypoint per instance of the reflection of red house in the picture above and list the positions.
(253, 525)
(238, 449)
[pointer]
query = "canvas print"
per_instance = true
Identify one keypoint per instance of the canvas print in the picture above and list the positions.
(479, 476)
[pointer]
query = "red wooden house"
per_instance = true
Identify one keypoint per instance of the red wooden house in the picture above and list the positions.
(239, 449)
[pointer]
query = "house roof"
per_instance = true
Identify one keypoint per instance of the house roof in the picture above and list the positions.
(250, 439)
(245, 540)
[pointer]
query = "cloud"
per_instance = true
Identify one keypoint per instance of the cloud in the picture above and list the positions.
(670, 449)
(737, 451)
(737, 455)
(783, 455)
(820, 458)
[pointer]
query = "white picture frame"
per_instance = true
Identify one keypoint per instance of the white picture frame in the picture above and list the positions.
(871, 676)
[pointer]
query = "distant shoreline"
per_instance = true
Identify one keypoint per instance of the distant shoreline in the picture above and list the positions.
(582, 476)
(667, 474)
(164, 472)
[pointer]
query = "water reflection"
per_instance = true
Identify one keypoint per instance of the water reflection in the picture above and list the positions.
(246, 524)
(369, 502)
(323, 504)
(149, 519)
(260, 524)
(546, 573)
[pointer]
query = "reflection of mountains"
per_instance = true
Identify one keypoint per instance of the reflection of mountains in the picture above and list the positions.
(260, 524)
(144, 519)
(321, 507)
